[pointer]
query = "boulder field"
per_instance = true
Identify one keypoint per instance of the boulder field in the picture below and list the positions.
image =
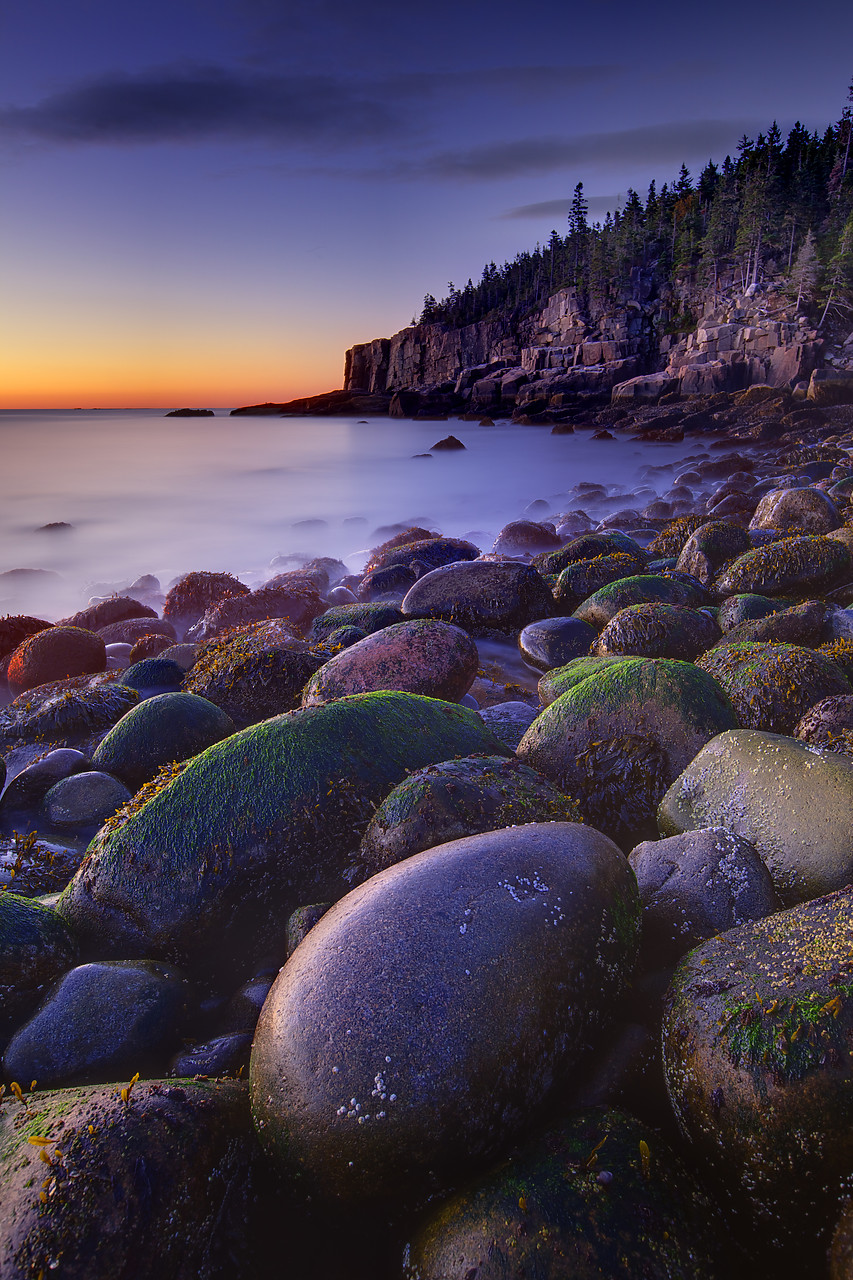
(483, 916)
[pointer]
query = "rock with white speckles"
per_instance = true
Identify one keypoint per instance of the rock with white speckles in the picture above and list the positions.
(791, 801)
(757, 1042)
(426, 1020)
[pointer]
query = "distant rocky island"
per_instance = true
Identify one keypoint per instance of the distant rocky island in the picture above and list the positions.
(741, 277)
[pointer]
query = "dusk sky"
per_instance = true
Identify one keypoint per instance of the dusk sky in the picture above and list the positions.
(205, 202)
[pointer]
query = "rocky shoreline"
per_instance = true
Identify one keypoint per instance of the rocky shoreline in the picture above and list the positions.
(487, 913)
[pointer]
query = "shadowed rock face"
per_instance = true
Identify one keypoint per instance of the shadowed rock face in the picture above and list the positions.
(206, 868)
(425, 1020)
(481, 596)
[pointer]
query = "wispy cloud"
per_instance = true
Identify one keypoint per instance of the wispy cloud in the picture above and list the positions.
(597, 205)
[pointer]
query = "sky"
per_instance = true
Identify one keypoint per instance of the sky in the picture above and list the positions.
(205, 202)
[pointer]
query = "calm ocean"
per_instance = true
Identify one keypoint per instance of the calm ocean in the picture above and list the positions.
(148, 494)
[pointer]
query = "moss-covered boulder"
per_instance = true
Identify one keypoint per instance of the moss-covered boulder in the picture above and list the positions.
(367, 617)
(657, 631)
(561, 679)
(802, 566)
(801, 624)
(796, 510)
(599, 1195)
(791, 801)
(481, 596)
(153, 675)
(644, 588)
(253, 673)
(589, 546)
(617, 740)
(459, 798)
(167, 727)
(710, 546)
(159, 1182)
(426, 1020)
(757, 1040)
(207, 870)
(672, 537)
(580, 579)
(744, 608)
(419, 656)
(772, 685)
(36, 946)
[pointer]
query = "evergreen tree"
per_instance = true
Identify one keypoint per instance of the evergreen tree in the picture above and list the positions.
(806, 272)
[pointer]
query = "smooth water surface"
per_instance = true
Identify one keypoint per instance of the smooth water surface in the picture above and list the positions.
(149, 494)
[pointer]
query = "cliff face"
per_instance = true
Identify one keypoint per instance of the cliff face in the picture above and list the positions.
(637, 350)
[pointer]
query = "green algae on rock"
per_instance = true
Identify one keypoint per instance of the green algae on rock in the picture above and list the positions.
(657, 631)
(36, 946)
(758, 1035)
(167, 727)
(159, 1182)
(599, 1195)
(581, 578)
(367, 617)
(772, 685)
(459, 798)
(644, 588)
(791, 801)
(800, 565)
(207, 870)
(589, 546)
(429, 1016)
(617, 740)
(561, 679)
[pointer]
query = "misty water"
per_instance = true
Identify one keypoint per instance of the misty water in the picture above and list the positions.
(147, 494)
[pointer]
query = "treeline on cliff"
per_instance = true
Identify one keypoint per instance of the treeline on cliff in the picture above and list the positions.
(777, 208)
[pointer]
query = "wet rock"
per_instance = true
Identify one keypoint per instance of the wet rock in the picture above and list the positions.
(67, 709)
(367, 617)
(797, 510)
(395, 579)
(425, 553)
(579, 580)
(54, 654)
(803, 624)
(604, 604)
(459, 798)
(829, 724)
(163, 1184)
(617, 740)
(225, 1055)
(132, 630)
(419, 656)
(165, 728)
(36, 946)
(710, 546)
(527, 537)
(100, 1022)
(302, 921)
(192, 595)
(106, 612)
(789, 800)
(34, 867)
(539, 920)
(509, 721)
(799, 566)
(673, 537)
(696, 885)
(254, 826)
(561, 679)
(553, 1209)
(149, 646)
(590, 546)
(772, 685)
(15, 628)
(657, 631)
(31, 785)
(744, 608)
(253, 673)
(757, 1035)
(84, 800)
(552, 642)
(481, 597)
(296, 601)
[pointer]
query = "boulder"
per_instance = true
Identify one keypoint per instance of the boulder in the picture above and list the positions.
(509, 721)
(590, 546)
(772, 685)
(36, 946)
(618, 739)
(53, 654)
(829, 724)
(657, 631)
(791, 801)
(796, 510)
(580, 579)
(552, 642)
(831, 386)
(710, 546)
(105, 612)
(757, 1038)
(800, 566)
(190, 597)
(210, 864)
(645, 588)
(481, 596)
(367, 617)
(502, 955)
(131, 630)
(84, 800)
(162, 729)
(253, 673)
(419, 656)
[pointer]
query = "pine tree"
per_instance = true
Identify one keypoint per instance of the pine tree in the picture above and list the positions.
(840, 275)
(806, 272)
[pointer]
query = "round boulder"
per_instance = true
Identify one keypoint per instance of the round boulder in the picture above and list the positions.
(600, 1190)
(658, 631)
(791, 802)
(696, 885)
(36, 946)
(167, 727)
(509, 721)
(798, 510)
(757, 1039)
(459, 798)
(552, 642)
(366, 617)
(54, 654)
(419, 656)
(828, 724)
(28, 788)
(481, 596)
(802, 566)
(617, 740)
(84, 800)
(711, 545)
(643, 588)
(591, 546)
(504, 953)
(771, 686)
(253, 673)
(191, 596)
(580, 579)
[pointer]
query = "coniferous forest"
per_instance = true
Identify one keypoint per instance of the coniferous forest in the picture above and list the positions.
(782, 207)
